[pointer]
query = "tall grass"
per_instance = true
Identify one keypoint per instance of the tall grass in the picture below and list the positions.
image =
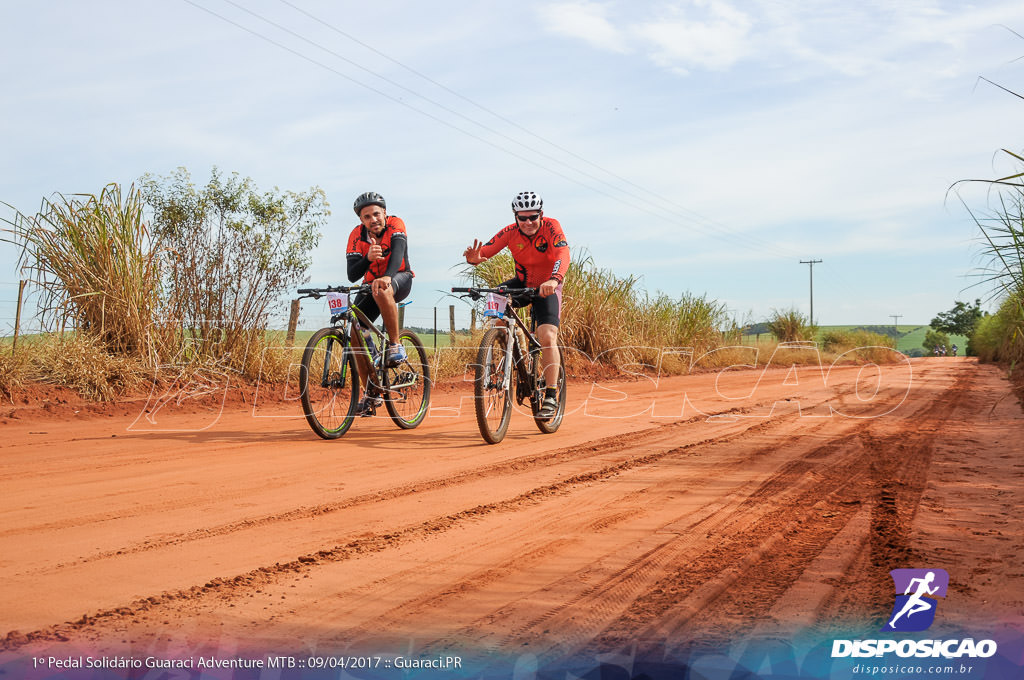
(1000, 337)
(94, 263)
(865, 345)
(791, 326)
(611, 319)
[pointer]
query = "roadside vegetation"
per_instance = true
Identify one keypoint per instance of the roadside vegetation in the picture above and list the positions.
(611, 322)
(157, 282)
(999, 337)
(171, 279)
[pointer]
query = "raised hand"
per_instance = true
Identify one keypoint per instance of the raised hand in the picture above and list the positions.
(375, 252)
(472, 253)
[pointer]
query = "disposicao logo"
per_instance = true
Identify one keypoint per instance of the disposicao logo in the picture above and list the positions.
(914, 609)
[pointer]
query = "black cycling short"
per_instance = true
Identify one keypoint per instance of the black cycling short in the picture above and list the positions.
(545, 309)
(402, 285)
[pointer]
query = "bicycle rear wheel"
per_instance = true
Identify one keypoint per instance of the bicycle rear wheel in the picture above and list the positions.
(407, 386)
(549, 425)
(493, 386)
(328, 383)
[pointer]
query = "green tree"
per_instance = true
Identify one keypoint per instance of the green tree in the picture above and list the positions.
(229, 252)
(960, 320)
(933, 339)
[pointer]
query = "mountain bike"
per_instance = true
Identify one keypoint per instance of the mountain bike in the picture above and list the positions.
(329, 377)
(509, 362)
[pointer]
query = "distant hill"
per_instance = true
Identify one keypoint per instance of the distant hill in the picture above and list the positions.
(909, 339)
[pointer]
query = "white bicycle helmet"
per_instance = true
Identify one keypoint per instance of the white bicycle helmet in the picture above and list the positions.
(527, 200)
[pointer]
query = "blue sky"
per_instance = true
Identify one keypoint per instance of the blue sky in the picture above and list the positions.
(706, 146)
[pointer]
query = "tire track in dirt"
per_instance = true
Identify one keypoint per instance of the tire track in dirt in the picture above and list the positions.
(711, 604)
(376, 542)
(599, 447)
(383, 540)
(584, 610)
(583, 619)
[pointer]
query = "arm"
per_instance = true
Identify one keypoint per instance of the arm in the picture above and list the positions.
(477, 253)
(497, 242)
(355, 259)
(357, 266)
(399, 247)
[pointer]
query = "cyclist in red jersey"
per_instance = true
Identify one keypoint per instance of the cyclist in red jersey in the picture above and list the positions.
(378, 252)
(541, 256)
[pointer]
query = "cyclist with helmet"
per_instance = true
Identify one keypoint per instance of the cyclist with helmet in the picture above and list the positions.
(378, 252)
(541, 256)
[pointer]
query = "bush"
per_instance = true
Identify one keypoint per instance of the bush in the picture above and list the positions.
(791, 326)
(1000, 336)
(229, 252)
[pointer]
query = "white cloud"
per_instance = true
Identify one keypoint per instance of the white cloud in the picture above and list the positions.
(587, 21)
(713, 35)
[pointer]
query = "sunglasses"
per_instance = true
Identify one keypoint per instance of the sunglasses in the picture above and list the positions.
(528, 218)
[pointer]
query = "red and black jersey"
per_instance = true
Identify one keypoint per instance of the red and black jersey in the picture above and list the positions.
(538, 258)
(392, 241)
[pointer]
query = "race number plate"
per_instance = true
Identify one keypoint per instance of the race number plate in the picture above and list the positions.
(495, 305)
(338, 302)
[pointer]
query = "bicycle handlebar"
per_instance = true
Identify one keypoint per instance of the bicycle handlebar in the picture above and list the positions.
(476, 293)
(317, 293)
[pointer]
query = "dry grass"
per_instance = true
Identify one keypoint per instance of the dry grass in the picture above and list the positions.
(79, 361)
(94, 262)
(611, 320)
(791, 326)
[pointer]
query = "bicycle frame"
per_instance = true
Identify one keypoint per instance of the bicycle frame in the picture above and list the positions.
(353, 317)
(524, 384)
(516, 355)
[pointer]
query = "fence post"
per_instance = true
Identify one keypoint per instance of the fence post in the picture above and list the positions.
(451, 320)
(293, 322)
(435, 330)
(472, 320)
(401, 318)
(17, 317)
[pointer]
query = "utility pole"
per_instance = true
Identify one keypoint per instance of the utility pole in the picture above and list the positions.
(896, 321)
(812, 263)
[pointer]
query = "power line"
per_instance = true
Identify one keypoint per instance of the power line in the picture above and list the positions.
(509, 121)
(722, 233)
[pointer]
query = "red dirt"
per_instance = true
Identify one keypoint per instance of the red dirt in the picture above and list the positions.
(641, 523)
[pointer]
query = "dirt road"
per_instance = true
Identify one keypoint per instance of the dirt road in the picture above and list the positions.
(641, 523)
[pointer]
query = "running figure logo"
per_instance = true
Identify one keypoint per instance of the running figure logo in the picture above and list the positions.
(914, 611)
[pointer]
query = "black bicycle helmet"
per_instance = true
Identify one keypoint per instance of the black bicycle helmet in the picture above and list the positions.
(369, 198)
(527, 200)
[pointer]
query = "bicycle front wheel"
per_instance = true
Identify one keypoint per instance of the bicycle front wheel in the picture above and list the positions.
(548, 425)
(407, 386)
(492, 387)
(328, 383)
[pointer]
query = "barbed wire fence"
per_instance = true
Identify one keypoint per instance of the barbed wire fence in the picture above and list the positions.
(17, 311)
(434, 323)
